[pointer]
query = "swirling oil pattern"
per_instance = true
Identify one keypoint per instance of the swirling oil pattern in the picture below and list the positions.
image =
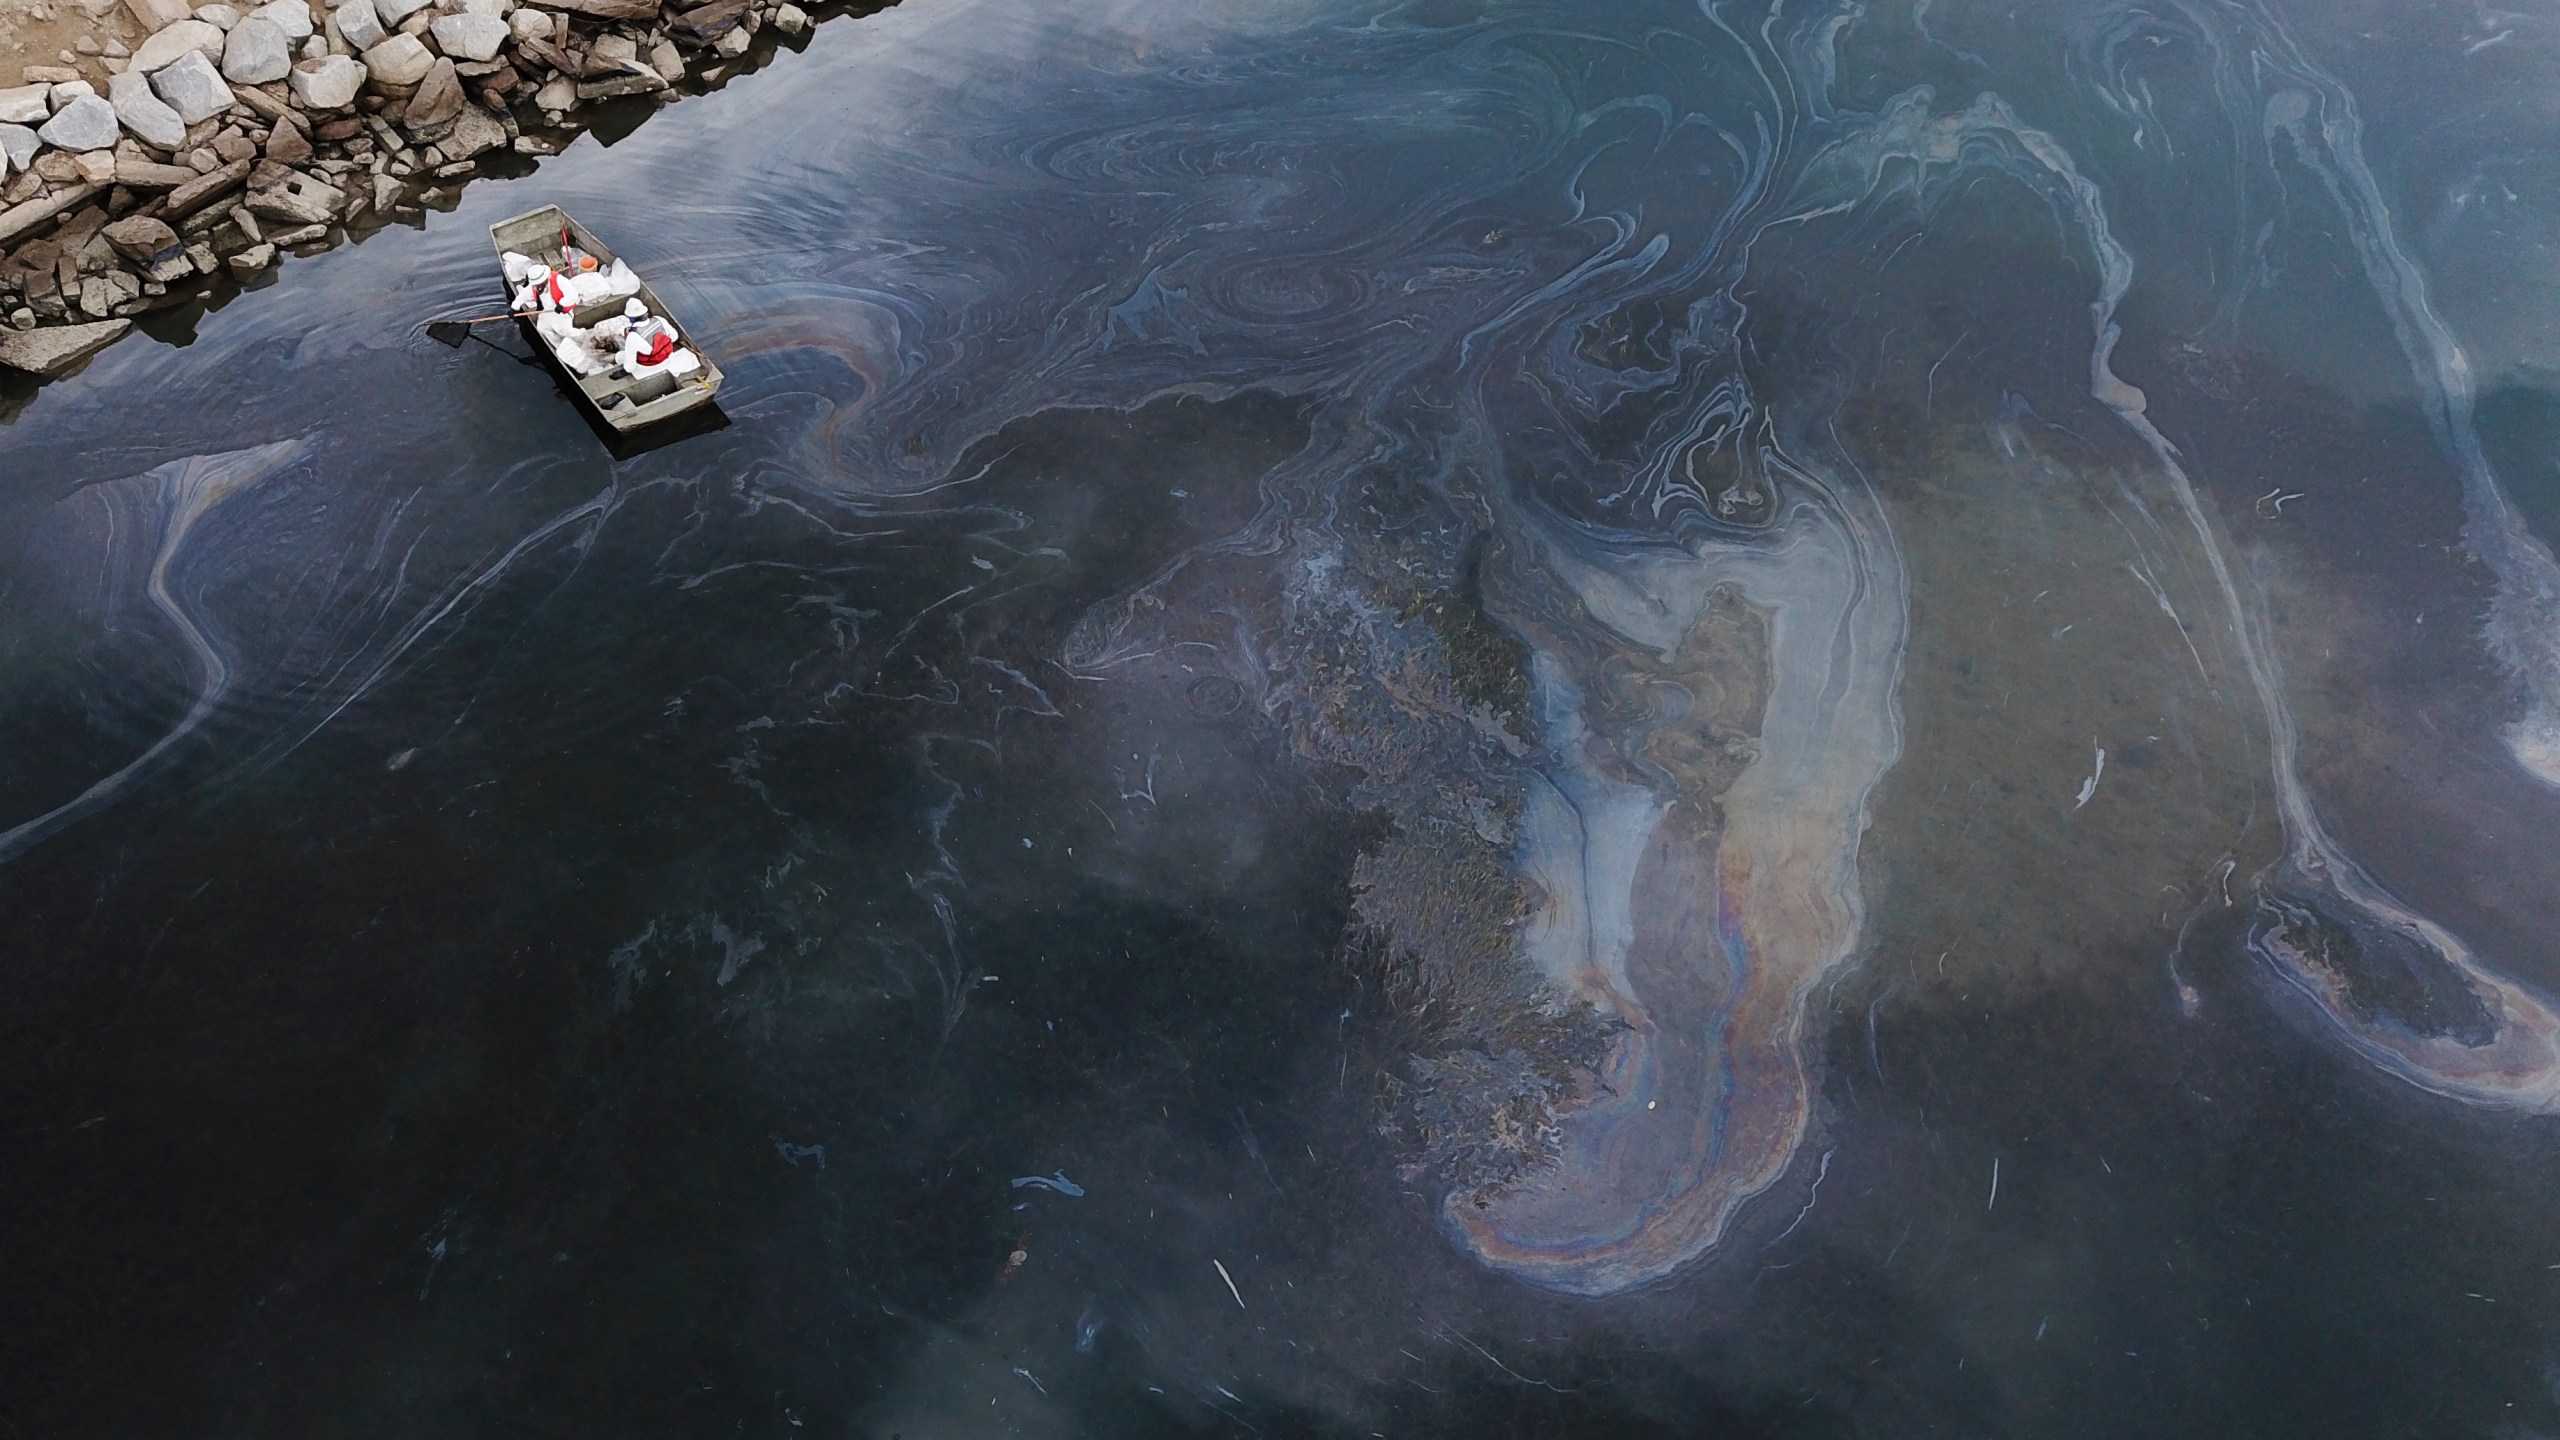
(1684, 717)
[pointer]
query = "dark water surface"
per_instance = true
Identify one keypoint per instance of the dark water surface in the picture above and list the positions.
(1651, 719)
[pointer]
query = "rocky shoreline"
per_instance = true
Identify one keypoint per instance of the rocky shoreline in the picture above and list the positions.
(230, 136)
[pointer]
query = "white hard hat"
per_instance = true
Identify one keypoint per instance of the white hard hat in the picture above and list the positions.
(540, 271)
(632, 309)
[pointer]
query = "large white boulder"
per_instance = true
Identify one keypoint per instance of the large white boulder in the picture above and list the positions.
(529, 24)
(157, 14)
(290, 16)
(256, 53)
(395, 11)
(26, 105)
(400, 60)
(359, 24)
(468, 36)
(220, 17)
(192, 88)
(327, 84)
(164, 48)
(144, 112)
(87, 123)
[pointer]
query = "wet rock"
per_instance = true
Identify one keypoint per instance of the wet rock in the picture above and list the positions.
(157, 14)
(438, 100)
(667, 61)
(303, 235)
(87, 123)
(200, 258)
(327, 84)
(252, 260)
(732, 45)
(468, 36)
(192, 88)
(290, 16)
(102, 295)
(706, 23)
(790, 19)
(386, 193)
(359, 24)
(557, 94)
(144, 112)
(53, 351)
(26, 105)
(400, 60)
(636, 79)
(257, 53)
(187, 35)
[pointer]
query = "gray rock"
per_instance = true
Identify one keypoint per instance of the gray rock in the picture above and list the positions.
(328, 83)
(53, 350)
(475, 132)
(139, 237)
(19, 143)
(469, 37)
(790, 19)
(26, 105)
(192, 88)
(157, 14)
(161, 49)
(300, 200)
(66, 91)
(400, 60)
(315, 48)
(220, 17)
(290, 16)
(359, 25)
(87, 123)
(101, 294)
(257, 53)
(438, 100)
(145, 113)
(529, 25)
(395, 11)
(254, 259)
(557, 93)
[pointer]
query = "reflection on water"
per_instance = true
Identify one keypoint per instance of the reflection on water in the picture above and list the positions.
(1438, 719)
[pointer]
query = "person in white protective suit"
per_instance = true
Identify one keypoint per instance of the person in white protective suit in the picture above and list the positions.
(584, 351)
(564, 291)
(649, 345)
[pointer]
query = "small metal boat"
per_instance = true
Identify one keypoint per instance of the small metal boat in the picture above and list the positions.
(622, 403)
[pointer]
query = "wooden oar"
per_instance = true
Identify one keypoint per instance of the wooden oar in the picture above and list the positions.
(451, 333)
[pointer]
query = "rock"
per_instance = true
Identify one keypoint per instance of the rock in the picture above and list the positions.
(287, 145)
(386, 193)
(200, 259)
(327, 84)
(87, 123)
(470, 37)
(476, 132)
(191, 197)
(313, 48)
(231, 145)
(611, 50)
(26, 105)
(640, 80)
(395, 11)
(290, 16)
(257, 53)
(667, 61)
(139, 237)
(47, 75)
(57, 168)
(157, 15)
(400, 60)
(98, 167)
(359, 24)
(204, 160)
(22, 318)
(610, 9)
(55, 350)
(144, 112)
(706, 23)
(66, 91)
(733, 44)
(302, 235)
(529, 25)
(557, 94)
(438, 100)
(158, 51)
(263, 101)
(343, 129)
(19, 143)
(143, 175)
(254, 259)
(221, 17)
(790, 19)
(192, 88)
(300, 199)
(101, 295)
